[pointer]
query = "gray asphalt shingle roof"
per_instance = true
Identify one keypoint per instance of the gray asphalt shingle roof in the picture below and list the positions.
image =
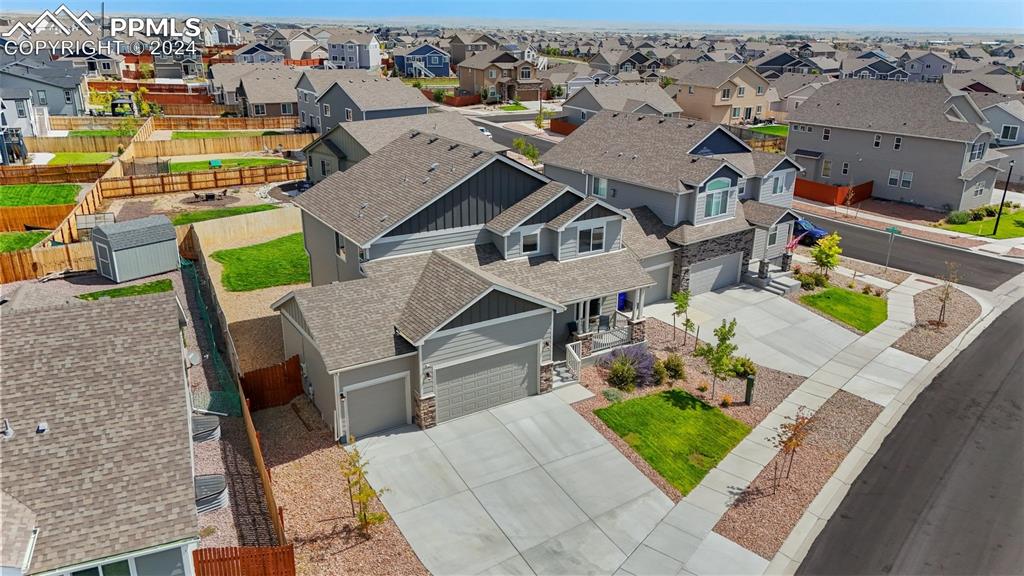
(516, 214)
(373, 135)
(628, 97)
(690, 234)
(765, 215)
(138, 232)
(711, 74)
(114, 472)
(644, 234)
(371, 93)
(270, 86)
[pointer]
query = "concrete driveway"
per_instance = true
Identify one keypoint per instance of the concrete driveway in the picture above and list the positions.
(772, 330)
(526, 488)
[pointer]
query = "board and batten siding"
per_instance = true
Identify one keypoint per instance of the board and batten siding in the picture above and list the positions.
(494, 305)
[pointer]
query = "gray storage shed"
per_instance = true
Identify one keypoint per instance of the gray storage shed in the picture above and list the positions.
(135, 248)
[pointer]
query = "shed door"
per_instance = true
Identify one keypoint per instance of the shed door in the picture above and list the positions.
(715, 273)
(103, 262)
(487, 382)
(661, 290)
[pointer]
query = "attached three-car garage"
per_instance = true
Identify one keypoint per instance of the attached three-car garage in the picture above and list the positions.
(486, 382)
(715, 273)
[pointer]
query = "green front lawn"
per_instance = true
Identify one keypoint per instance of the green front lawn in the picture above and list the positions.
(38, 194)
(774, 130)
(225, 163)
(99, 133)
(862, 311)
(13, 241)
(280, 262)
(677, 434)
(153, 287)
(215, 213)
(63, 158)
(1010, 226)
(514, 107)
(194, 134)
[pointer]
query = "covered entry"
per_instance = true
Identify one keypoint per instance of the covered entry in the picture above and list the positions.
(486, 382)
(378, 405)
(715, 273)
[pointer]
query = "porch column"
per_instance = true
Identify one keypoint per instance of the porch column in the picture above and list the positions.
(585, 321)
(638, 310)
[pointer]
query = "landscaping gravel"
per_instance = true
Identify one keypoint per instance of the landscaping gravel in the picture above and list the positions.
(762, 517)
(862, 267)
(771, 387)
(927, 338)
(305, 464)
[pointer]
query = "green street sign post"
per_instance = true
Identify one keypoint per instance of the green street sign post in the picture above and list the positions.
(893, 231)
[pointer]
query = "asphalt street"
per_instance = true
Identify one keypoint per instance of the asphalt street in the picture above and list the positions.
(926, 258)
(504, 136)
(945, 492)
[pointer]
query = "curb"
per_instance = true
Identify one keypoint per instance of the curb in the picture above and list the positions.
(794, 549)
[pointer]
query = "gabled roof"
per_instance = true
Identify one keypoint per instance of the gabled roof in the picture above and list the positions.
(574, 212)
(766, 215)
(627, 97)
(790, 82)
(138, 232)
(270, 86)
(321, 80)
(521, 211)
(644, 234)
(689, 234)
(712, 74)
(373, 135)
(485, 58)
(374, 93)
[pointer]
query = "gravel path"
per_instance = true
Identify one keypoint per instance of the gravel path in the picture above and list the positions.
(927, 338)
(305, 464)
(762, 518)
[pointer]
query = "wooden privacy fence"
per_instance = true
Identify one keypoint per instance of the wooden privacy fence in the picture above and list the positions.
(833, 195)
(276, 513)
(274, 385)
(188, 147)
(202, 180)
(198, 109)
(200, 123)
(76, 143)
(108, 85)
(244, 561)
(18, 218)
(45, 174)
(39, 261)
(84, 122)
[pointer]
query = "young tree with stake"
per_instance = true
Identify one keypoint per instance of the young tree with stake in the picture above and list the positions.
(719, 354)
(682, 306)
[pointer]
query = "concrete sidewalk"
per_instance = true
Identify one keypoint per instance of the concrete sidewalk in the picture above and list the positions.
(684, 540)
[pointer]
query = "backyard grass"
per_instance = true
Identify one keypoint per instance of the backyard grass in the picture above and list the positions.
(12, 241)
(194, 134)
(774, 130)
(425, 82)
(99, 133)
(280, 262)
(153, 287)
(63, 158)
(215, 213)
(862, 311)
(225, 163)
(38, 194)
(1010, 226)
(514, 107)
(677, 434)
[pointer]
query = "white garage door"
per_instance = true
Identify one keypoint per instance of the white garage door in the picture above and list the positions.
(377, 407)
(661, 290)
(715, 273)
(481, 384)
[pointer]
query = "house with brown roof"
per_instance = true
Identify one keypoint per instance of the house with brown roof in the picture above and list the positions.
(720, 92)
(498, 75)
(630, 98)
(356, 96)
(268, 92)
(96, 462)
(448, 279)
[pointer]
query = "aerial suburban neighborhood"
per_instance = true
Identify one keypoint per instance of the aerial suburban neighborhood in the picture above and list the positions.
(332, 290)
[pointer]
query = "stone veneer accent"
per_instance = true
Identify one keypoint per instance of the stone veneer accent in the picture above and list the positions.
(424, 412)
(637, 331)
(692, 253)
(586, 344)
(547, 373)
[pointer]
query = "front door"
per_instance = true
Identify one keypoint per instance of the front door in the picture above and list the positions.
(748, 113)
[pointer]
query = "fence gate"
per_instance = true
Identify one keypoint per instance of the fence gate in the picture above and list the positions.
(245, 561)
(274, 385)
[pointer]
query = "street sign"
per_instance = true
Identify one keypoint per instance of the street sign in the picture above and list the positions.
(893, 230)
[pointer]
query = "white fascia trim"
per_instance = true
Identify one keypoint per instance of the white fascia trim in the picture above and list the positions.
(510, 291)
(124, 556)
(370, 363)
(299, 328)
(491, 322)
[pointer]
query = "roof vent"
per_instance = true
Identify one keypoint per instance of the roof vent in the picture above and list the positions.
(382, 218)
(425, 180)
(432, 140)
(691, 125)
(433, 167)
(476, 153)
(452, 147)
(5, 430)
(415, 133)
(42, 427)
(620, 155)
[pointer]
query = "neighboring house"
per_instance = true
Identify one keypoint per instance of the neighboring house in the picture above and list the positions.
(917, 142)
(448, 280)
(787, 92)
(366, 98)
(258, 53)
(984, 80)
(19, 114)
(689, 186)
(1004, 116)
(293, 43)
(269, 93)
(224, 78)
(465, 44)
(630, 98)
(925, 66)
(876, 69)
(720, 92)
(778, 63)
(815, 50)
(349, 142)
(498, 75)
(97, 65)
(97, 475)
(619, 61)
(312, 84)
(423, 61)
(350, 49)
(59, 87)
(221, 33)
(177, 66)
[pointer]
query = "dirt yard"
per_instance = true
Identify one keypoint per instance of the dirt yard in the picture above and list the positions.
(173, 204)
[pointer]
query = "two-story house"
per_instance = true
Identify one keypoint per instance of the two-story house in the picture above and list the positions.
(354, 98)
(448, 280)
(720, 91)
(704, 204)
(497, 75)
(916, 142)
(789, 91)
(925, 66)
(352, 49)
(268, 92)
(258, 53)
(422, 61)
(1004, 116)
(57, 86)
(465, 44)
(292, 42)
(631, 98)
(619, 61)
(312, 83)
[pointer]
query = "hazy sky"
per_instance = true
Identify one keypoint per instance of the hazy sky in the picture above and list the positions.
(917, 15)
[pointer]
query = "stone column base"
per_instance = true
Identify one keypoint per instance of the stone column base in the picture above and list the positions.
(546, 376)
(424, 412)
(637, 331)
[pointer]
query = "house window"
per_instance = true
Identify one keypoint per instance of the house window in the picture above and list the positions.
(601, 187)
(897, 143)
(259, 110)
(303, 116)
(826, 134)
(979, 188)
(907, 179)
(22, 109)
(735, 112)
(590, 240)
(846, 168)
(716, 199)
(726, 93)
(531, 243)
(773, 235)
(327, 110)
(741, 91)
(492, 74)
(894, 177)
(524, 73)
(1009, 132)
(878, 141)
(323, 168)
(826, 168)
(778, 186)
(689, 89)
(760, 90)
(287, 108)
(978, 151)
(348, 114)
(759, 109)
(68, 98)
(41, 97)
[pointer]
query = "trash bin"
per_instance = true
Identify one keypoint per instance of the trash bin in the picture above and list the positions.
(749, 398)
